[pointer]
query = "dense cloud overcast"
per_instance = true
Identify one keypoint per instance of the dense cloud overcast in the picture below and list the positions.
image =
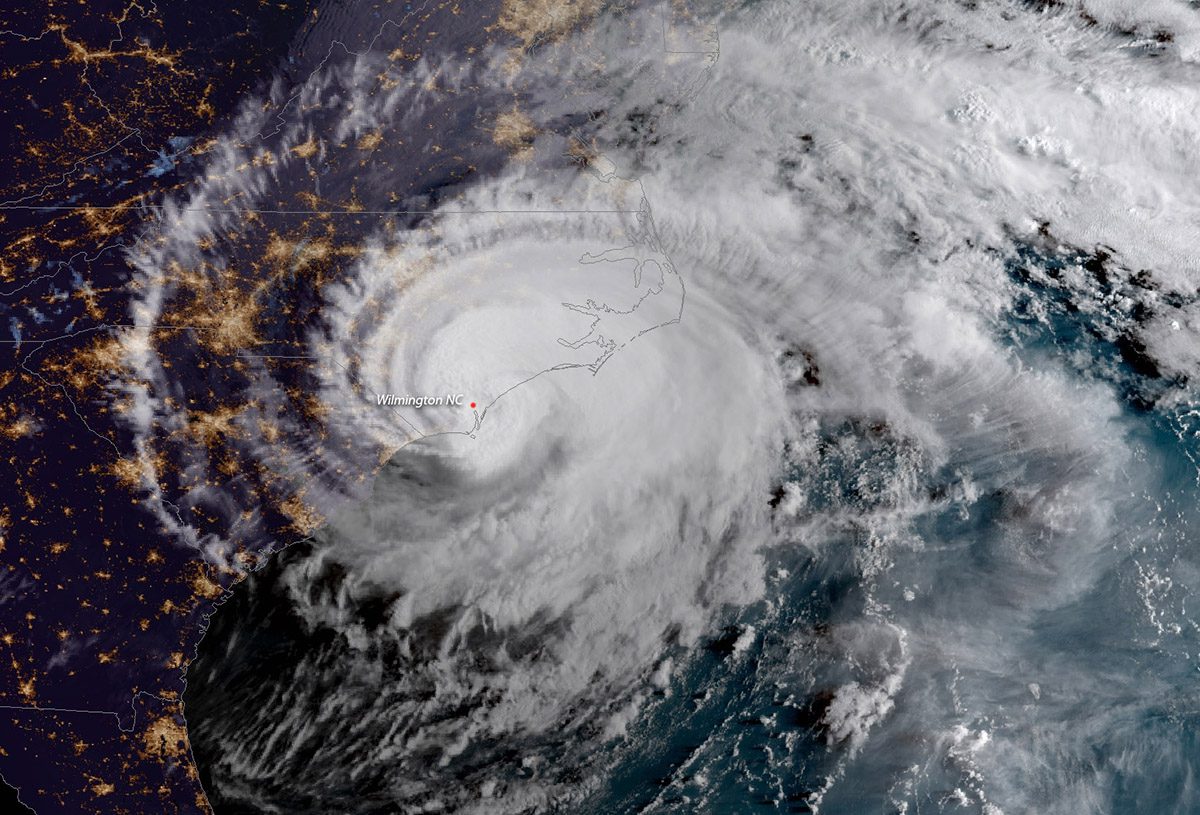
(794, 269)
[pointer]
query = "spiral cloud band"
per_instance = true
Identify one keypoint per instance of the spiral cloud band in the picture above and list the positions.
(832, 389)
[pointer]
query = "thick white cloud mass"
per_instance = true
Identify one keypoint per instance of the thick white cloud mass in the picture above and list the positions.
(842, 216)
(591, 492)
(868, 174)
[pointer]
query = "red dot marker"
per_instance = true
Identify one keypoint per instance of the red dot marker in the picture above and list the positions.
(472, 404)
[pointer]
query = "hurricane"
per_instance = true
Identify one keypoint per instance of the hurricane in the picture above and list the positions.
(812, 423)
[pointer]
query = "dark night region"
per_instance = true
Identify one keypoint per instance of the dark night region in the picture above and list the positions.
(106, 105)
(9, 801)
